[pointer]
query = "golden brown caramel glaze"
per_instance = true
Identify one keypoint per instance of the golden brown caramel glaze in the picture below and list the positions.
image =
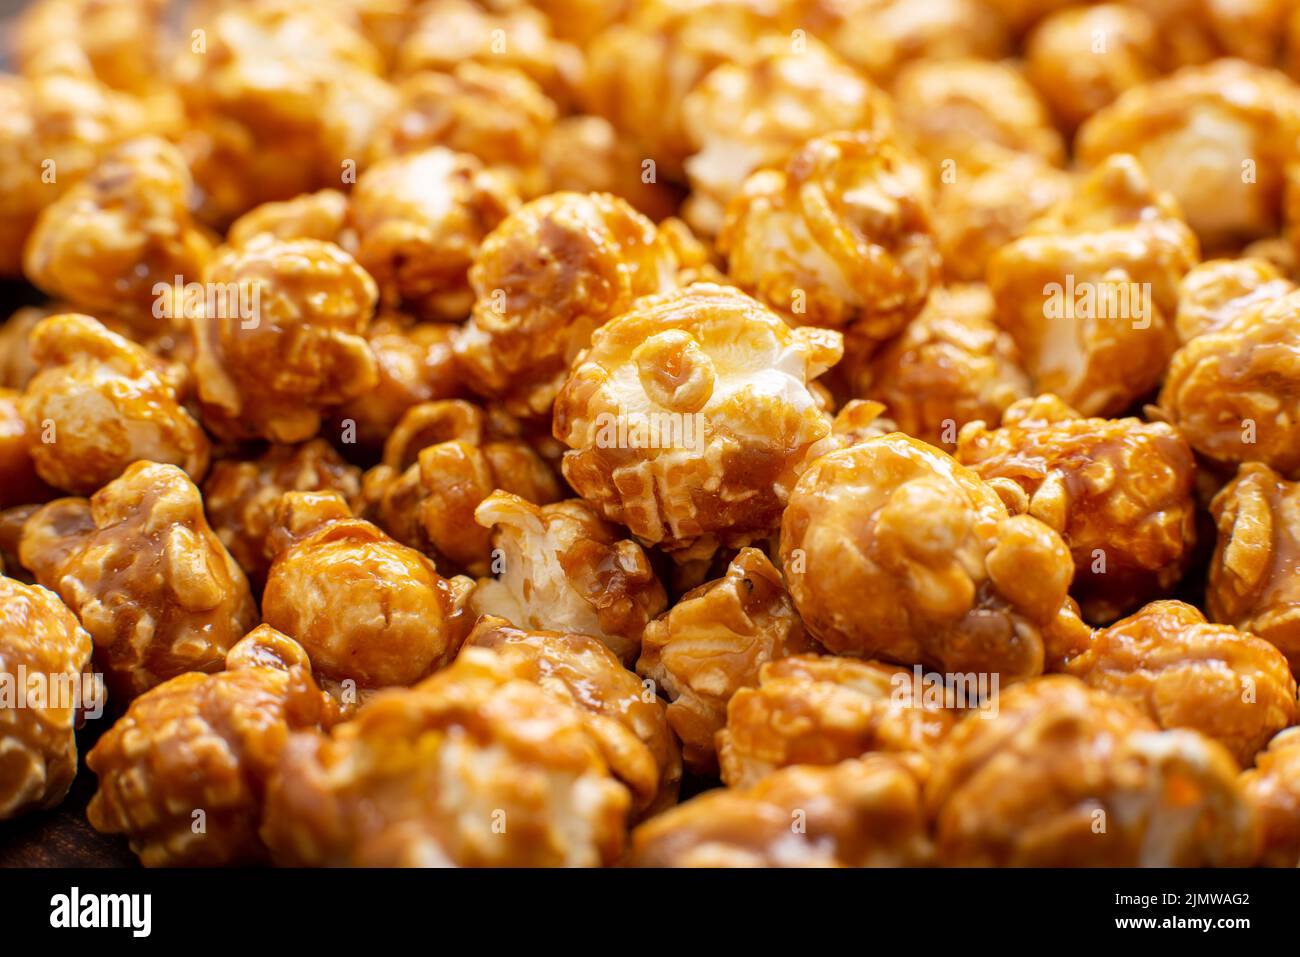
(322, 215)
(1273, 787)
(19, 483)
(585, 154)
(1215, 292)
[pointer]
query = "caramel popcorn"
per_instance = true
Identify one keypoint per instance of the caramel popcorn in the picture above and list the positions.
(322, 215)
(1089, 292)
(1252, 575)
(145, 574)
(810, 709)
(99, 402)
(41, 639)
(585, 154)
(200, 748)
(727, 380)
(843, 236)
(1068, 776)
(893, 550)
(1217, 291)
(560, 568)
(1273, 787)
(863, 813)
(286, 339)
(420, 217)
(19, 483)
(475, 767)
(16, 363)
(625, 719)
(118, 42)
(1119, 491)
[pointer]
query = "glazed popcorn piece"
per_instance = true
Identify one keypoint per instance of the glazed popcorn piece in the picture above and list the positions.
(1233, 391)
(100, 402)
(241, 495)
(45, 657)
(16, 363)
(552, 273)
(842, 237)
(1253, 582)
(420, 218)
(108, 242)
(1217, 291)
(369, 611)
(625, 718)
(950, 366)
(745, 117)
(201, 748)
(559, 567)
(585, 154)
(118, 44)
(285, 341)
(19, 483)
(811, 709)
(1273, 787)
(1068, 776)
(1119, 491)
(690, 417)
(322, 215)
(1185, 673)
(475, 767)
(145, 574)
(863, 813)
(893, 550)
(1218, 137)
(713, 642)
(1089, 292)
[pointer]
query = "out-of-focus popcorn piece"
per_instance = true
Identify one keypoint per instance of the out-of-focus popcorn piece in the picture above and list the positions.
(745, 117)
(19, 483)
(1254, 583)
(474, 767)
(1068, 776)
(201, 748)
(241, 495)
(322, 215)
(1273, 787)
(811, 709)
(16, 363)
(951, 365)
(101, 402)
(1119, 491)
(560, 567)
(690, 416)
(1089, 292)
(892, 549)
(843, 236)
(420, 218)
(1196, 31)
(625, 718)
(45, 659)
(1235, 392)
(861, 813)
(145, 574)
(713, 642)
(1218, 137)
(285, 340)
(1216, 291)
(544, 280)
(1183, 672)
(120, 44)
(585, 154)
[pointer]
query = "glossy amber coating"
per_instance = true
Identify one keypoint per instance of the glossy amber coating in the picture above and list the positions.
(1273, 787)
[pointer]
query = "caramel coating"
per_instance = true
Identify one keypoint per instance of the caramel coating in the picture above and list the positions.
(100, 402)
(201, 747)
(475, 767)
(322, 215)
(1218, 137)
(285, 341)
(811, 709)
(843, 236)
(1273, 787)
(118, 43)
(950, 366)
(1119, 491)
(19, 483)
(690, 416)
(1089, 292)
(1216, 291)
(44, 656)
(1068, 776)
(625, 719)
(1185, 673)
(1233, 392)
(863, 813)
(560, 568)
(420, 217)
(1253, 584)
(16, 363)
(241, 495)
(713, 642)
(544, 280)
(110, 241)
(366, 608)
(585, 154)
(145, 574)
(892, 549)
